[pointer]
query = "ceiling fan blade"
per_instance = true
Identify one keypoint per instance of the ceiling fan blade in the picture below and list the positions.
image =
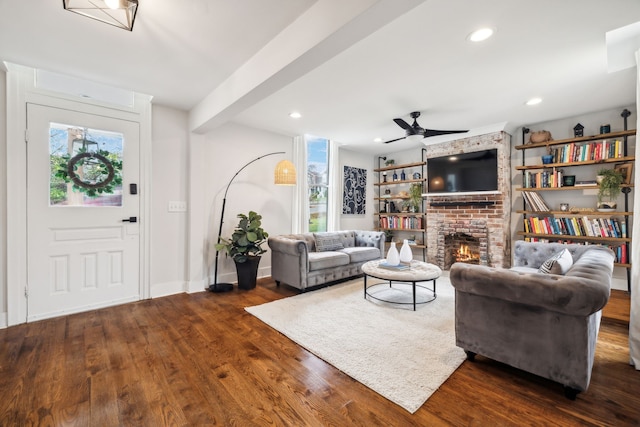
(402, 124)
(434, 132)
(394, 140)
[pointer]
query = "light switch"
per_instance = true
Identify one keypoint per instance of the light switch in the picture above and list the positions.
(177, 206)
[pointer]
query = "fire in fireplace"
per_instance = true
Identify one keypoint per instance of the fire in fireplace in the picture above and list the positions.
(461, 247)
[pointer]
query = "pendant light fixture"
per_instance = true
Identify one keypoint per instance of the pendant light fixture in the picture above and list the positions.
(119, 13)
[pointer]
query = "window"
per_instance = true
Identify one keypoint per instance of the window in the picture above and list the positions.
(85, 166)
(318, 181)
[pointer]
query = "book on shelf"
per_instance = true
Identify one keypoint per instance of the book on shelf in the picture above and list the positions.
(535, 201)
(585, 183)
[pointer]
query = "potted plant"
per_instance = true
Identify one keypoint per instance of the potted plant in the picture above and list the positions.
(245, 247)
(389, 162)
(388, 235)
(415, 197)
(609, 188)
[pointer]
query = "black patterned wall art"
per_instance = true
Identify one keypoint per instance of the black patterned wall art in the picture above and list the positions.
(355, 186)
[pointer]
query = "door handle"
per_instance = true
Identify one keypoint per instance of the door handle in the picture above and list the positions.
(131, 219)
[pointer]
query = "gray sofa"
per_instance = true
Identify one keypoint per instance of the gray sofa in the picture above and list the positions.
(545, 324)
(312, 259)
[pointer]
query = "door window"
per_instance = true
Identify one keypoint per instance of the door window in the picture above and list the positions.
(85, 166)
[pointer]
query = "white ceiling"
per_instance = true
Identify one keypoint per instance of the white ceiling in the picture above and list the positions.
(412, 55)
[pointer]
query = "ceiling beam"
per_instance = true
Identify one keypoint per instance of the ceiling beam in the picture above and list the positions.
(326, 29)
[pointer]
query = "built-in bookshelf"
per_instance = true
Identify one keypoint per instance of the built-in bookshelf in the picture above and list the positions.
(576, 225)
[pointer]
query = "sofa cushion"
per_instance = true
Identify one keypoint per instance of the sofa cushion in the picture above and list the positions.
(327, 259)
(559, 263)
(328, 242)
(361, 254)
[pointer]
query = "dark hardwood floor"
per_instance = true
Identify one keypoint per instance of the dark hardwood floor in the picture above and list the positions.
(200, 359)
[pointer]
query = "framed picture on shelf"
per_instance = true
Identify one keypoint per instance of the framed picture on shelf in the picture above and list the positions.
(626, 169)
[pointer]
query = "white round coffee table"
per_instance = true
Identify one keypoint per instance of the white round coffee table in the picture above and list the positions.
(418, 272)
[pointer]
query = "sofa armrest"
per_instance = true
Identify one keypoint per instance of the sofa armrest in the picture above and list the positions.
(569, 294)
(288, 246)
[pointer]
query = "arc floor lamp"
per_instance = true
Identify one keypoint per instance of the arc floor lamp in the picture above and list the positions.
(285, 174)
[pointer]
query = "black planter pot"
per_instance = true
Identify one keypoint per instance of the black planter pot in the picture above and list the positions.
(247, 272)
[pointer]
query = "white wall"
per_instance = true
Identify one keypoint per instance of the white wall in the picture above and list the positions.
(169, 184)
(3, 201)
(563, 129)
(362, 161)
(225, 151)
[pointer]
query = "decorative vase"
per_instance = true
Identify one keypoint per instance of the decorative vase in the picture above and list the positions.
(405, 253)
(393, 257)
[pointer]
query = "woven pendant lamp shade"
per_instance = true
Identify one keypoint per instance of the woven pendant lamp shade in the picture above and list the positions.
(285, 173)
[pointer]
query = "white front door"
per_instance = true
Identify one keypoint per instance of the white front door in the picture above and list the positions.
(80, 170)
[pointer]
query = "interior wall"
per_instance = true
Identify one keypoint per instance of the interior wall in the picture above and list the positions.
(3, 200)
(563, 129)
(358, 160)
(225, 151)
(170, 184)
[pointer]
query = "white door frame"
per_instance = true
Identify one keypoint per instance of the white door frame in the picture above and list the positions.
(21, 89)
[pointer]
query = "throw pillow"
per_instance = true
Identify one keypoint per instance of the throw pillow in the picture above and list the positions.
(328, 243)
(559, 263)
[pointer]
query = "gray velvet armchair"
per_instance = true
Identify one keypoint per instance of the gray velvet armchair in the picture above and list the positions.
(545, 324)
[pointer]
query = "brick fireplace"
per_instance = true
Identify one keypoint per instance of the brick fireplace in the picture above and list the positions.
(478, 225)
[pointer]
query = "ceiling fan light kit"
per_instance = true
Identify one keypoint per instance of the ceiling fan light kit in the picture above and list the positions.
(119, 13)
(415, 133)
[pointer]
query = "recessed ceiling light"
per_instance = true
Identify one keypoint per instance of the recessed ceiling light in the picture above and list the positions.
(295, 115)
(534, 101)
(377, 140)
(481, 35)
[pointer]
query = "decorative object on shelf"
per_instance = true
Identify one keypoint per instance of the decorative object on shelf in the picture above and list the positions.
(393, 256)
(384, 177)
(395, 176)
(354, 194)
(245, 248)
(609, 189)
(403, 176)
(540, 136)
(279, 179)
(564, 207)
(388, 235)
(405, 253)
(389, 162)
(578, 130)
(569, 180)
(417, 175)
(605, 129)
(119, 13)
(415, 197)
(547, 159)
(625, 169)
(387, 192)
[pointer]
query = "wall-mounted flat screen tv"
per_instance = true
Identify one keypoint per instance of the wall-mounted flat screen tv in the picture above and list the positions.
(468, 172)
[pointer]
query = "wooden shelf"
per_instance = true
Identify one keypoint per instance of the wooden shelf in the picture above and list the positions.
(578, 213)
(585, 163)
(399, 214)
(412, 246)
(406, 181)
(569, 237)
(391, 198)
(417, 230)
(567, 188)
(404, 166)
(612, 135)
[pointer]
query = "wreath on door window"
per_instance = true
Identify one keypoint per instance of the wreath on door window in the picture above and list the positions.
(92, 173)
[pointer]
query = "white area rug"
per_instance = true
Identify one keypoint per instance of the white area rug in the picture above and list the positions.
(402, 354)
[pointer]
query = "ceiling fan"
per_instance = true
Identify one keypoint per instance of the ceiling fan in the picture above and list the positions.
(416, 132)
